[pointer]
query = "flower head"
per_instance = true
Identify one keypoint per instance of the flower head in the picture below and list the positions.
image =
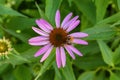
(5, 47)
(58, 37)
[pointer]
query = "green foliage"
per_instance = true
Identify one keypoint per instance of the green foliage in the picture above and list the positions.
(116, 55)
(113, 76)
(68, 71)
(87, 7)
(102, 32)
(106, 53)
(50, 9)
(19, 31)
(99, 18)
(8, 11)
(22, 73)
(101, 6)
(89, 62)
(47, 64)
(87, 76)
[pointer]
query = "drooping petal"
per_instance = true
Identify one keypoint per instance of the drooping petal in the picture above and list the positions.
(57, 19)
(70, 22)
(46, 54)
(38, 39)
(39, 43)
(75, 50)
(42, 50)
(69, 51)
(79, 35)
(66, 19)
(58, 57)
(46, 24)
(40, 31)
(63, 56)
(40, 24)
(74, 25)
(79, 41)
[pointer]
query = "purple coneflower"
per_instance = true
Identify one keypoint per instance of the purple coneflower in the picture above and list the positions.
(58, 37)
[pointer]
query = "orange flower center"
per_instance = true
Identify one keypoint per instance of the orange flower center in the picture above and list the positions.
(58, 37)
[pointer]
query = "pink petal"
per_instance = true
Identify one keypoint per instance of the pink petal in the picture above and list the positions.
(69, 51)
(38, 39)
(66, 19)
(46, 24)
(39, 43)
(75, 50)
(40, 31)
(74, 25)
(42, 50)
(79, 34)
(63, 56)
(79, 41)
(70, 22)
(58, 57)
(41, 25)
(46, 54)
(57, 19)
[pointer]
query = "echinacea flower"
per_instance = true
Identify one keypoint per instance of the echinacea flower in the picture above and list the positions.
(5, 47)
(58, 37)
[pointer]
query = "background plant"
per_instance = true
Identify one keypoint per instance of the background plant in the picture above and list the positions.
(99, 18)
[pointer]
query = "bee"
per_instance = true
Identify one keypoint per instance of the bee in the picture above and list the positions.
(69, 40)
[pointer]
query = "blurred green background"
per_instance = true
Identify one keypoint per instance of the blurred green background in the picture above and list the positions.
(99, 18)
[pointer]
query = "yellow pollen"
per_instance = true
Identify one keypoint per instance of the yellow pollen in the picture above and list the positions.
(5, 47)
(1, 48)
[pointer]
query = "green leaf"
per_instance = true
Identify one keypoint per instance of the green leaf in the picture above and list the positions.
(42, 14)
(85, 23)
(116, 24)
(48, 75)
(118, 2)
(100, 75)
(57, 73)
(3, 68)
(32, 13)
(15, 59)
(110, 19)
(18, 26)
(50, 9)
(89, 62)
(22, 73)
(8, 11)
(20, 23)
(101, 6)
(47, 64)
(113, 76)
(26, 57)
(86, 50)
(87, 76)
(8, 75)
(67, 71)
(70, 2)
(18, 3)
(116, 56)
(87, 8)
(106, 53)
(29, 54)
(1, 32)
(2, 1)
(103, 32)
